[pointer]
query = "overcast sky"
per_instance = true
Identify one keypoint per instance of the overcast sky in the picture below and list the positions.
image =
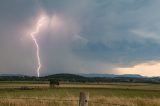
(81, 36)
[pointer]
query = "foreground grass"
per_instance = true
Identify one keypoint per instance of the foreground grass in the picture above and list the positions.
(73, 101)
(100, 94)
(66, 92)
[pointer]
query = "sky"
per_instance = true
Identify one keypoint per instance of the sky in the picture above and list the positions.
(80, 36)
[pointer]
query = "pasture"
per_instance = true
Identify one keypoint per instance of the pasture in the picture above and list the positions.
(67, 94)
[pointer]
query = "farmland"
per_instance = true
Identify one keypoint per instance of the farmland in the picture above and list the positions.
(67, 94)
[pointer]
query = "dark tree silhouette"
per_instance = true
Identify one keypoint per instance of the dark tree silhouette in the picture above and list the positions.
(54, 83)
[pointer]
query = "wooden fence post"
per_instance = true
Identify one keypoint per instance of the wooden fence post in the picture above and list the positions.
(83, 99)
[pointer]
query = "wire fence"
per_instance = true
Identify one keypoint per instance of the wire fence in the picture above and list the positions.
(96, 103)
(108, 104)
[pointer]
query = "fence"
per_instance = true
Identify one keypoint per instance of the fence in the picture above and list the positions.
(82, 101)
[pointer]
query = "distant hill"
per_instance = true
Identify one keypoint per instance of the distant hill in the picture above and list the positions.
(64, 76)
(129, 78)
(11, 75)
(112, 75)
(16, 77)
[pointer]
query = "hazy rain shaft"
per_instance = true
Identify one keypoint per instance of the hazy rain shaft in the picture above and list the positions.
(54, 23)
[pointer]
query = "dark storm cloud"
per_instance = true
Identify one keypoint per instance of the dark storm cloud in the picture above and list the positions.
(97, 35)
(109, 30)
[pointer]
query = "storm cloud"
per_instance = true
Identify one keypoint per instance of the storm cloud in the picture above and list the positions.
(96, 36)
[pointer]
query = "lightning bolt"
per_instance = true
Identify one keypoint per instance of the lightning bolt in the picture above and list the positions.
(33, 36)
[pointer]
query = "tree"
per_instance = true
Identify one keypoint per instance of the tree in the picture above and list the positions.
(54, 83)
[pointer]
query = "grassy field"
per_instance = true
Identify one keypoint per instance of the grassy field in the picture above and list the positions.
(104, 94)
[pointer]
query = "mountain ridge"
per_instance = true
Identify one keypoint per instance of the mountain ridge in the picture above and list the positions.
(113, 75)
(85, 75)
(66, 77)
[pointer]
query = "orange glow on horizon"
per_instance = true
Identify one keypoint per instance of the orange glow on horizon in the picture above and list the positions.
(148, 69)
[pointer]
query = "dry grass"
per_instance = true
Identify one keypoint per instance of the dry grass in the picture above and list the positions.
(54, 101)
(121, 101)
(109, 94)
(94, 101)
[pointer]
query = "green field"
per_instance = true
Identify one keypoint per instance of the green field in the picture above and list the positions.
(103, 94)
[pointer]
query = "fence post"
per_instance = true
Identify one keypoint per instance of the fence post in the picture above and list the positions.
(83, 99)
